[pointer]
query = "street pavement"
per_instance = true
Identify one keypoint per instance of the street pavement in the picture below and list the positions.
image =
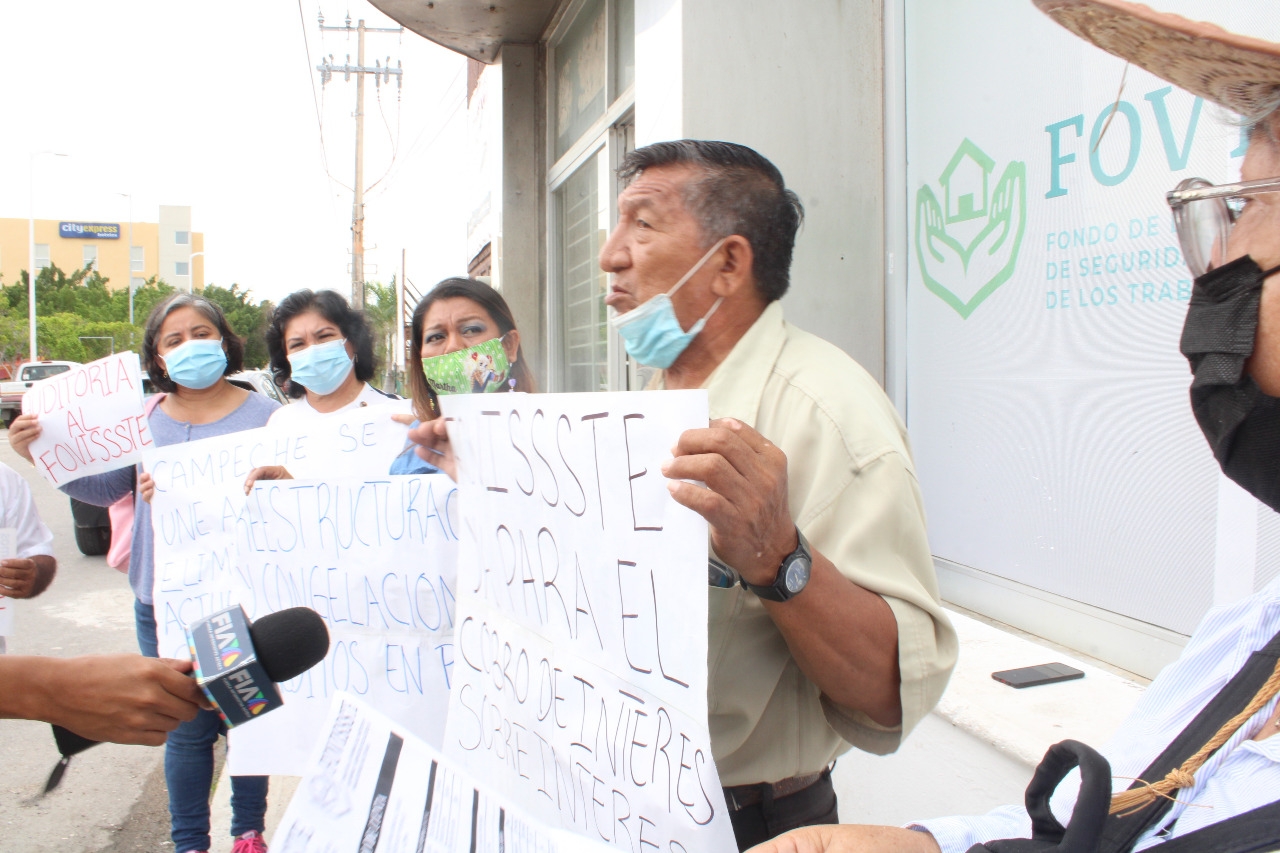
(112, 797)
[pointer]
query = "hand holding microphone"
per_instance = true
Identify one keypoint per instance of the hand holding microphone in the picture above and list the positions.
(132, 699)
(118, 698)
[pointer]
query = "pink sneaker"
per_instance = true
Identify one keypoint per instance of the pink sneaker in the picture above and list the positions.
(250, 842)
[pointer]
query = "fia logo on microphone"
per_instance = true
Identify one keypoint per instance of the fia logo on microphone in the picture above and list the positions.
(248, 691)
(224, 634)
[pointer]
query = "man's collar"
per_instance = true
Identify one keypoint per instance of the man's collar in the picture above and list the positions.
(735, 387)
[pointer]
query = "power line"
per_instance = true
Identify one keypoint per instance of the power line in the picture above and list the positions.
(439, 129)
(324, 159)
(381, 74)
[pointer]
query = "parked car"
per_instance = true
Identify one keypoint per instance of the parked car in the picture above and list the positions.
(93, 525)
(260, 381)
(11, 392)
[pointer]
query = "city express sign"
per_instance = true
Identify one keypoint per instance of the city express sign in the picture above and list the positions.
(89, 230)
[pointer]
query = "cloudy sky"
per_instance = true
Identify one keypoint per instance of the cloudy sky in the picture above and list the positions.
(215, 106)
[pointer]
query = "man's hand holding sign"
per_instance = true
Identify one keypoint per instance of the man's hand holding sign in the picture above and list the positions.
(746, 505)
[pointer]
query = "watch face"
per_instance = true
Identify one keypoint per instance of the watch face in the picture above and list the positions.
(797, 575)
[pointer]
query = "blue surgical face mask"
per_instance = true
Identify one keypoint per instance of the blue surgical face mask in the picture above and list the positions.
(196, 364)
(651, 332)
(321, 367)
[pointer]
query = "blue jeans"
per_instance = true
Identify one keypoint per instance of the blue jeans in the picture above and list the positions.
(188, 767)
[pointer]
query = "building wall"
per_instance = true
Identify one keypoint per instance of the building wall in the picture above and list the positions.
(113, 255)
(175, 218)
(803, 84)
(520, 268)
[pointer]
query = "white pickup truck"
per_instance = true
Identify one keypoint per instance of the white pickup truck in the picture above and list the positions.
(11, 392)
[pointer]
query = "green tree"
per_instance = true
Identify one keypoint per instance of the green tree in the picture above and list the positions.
(247, 319)
(81, 305)
(383, 315)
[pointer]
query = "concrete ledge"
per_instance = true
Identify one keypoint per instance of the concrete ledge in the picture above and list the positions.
(1024, 723)
(977, 749)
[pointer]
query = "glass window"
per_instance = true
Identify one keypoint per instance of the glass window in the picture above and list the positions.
(584, 322)
(580, 74)
(42, 255)
(182, 238)
(137, 259)
(90, 256)
(182, 268)
(137, 283)
(36, 372)
(591, 65)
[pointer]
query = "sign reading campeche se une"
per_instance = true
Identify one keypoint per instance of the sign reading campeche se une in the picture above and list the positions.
(89, 230)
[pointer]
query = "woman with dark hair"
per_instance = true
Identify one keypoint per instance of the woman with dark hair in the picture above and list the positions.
(188, 350)
(466, 341)
(321, 353)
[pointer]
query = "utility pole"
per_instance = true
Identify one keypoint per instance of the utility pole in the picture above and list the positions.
(380, 74)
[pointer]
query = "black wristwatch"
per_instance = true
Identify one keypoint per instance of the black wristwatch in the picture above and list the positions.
(792, 577)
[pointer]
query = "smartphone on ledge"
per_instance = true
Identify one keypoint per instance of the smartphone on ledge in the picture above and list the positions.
(1030, 676)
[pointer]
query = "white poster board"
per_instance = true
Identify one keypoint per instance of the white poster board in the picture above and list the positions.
(371, 785)
(91, 419)
(374, 555)
(8, 550)
(1047, 399)
(580, 682)
(376, 559)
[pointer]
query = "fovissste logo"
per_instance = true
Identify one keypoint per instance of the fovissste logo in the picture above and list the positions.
(967, 244)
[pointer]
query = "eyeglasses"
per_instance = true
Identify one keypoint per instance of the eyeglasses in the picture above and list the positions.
(1204, 214)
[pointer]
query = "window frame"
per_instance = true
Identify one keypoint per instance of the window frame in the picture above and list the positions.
(85, 250)
(47, 260)
(612, 132)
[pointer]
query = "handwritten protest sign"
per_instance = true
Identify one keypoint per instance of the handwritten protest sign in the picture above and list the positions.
(91, 419)
(376, 558)
(8, 550)
(371, 785)
(374, 555)
(580, 682)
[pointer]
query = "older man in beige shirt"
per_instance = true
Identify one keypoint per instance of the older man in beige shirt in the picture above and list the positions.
(835, 636)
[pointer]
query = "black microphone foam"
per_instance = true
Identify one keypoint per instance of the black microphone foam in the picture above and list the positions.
(289, 642)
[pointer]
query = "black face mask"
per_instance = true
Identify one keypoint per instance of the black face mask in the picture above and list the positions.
(1241, 423)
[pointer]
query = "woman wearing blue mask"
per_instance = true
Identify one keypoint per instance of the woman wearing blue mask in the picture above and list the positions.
(188, 350)
(467, 342)
(321, 354)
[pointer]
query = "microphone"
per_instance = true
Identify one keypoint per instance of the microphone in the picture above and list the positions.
(238, 665)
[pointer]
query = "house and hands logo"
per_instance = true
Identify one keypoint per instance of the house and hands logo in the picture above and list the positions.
(967, 245)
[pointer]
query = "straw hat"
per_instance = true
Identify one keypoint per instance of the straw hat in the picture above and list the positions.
(1238, 72)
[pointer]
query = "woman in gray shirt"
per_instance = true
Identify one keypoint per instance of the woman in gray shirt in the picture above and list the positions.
(188, 350)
